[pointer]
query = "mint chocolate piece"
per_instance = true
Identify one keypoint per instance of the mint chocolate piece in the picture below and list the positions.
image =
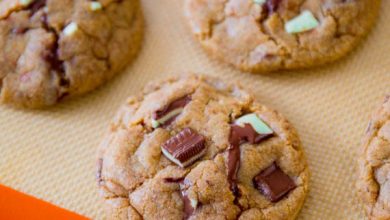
(273, 183)
(185, 147)
(257, 124)
(303, 22)
(167, 115)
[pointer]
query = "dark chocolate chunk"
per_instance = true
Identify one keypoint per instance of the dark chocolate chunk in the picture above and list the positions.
(185, 147)
(238, 135)
(273, 183)
(177, 104)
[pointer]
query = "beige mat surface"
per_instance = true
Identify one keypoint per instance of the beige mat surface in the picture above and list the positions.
(51, 154)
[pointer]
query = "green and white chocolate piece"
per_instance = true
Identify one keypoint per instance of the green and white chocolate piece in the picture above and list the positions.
(257, 124)
(95, 6)
(25, 2)
(260, 2)
(71, 29)
(303, 22)
(155, 123)
(186, 163)
(162, 120)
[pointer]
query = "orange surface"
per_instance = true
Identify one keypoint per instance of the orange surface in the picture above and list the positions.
(15, 205)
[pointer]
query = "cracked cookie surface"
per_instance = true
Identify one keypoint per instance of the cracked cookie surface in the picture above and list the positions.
(52, 49)
(138, 181)
(374, 181)
(252, 34)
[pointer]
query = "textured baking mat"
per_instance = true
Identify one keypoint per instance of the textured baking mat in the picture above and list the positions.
(51, 154)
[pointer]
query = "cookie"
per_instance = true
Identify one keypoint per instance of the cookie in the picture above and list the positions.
(55, 49)
(269, 35)
(194, 147)
(374, 181)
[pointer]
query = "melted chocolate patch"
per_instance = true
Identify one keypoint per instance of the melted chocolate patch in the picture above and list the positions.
(273, 183)
(188, 209)
(173, 180)
(233, 166)
(239, 135)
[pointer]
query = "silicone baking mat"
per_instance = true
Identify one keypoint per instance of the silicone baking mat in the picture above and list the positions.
(51, 154)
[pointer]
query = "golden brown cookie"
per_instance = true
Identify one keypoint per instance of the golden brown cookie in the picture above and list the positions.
(194, 147)
(374, 181)
(53, 49)
(267, 35)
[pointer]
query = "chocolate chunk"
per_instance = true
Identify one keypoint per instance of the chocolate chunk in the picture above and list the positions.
(185, 147)
(273, 183)
(239, 135)
(167, 115)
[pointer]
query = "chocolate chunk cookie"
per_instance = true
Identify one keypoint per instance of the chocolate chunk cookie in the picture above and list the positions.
(268, 35)
(374, 182)
(194, 147)
(53, 49)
